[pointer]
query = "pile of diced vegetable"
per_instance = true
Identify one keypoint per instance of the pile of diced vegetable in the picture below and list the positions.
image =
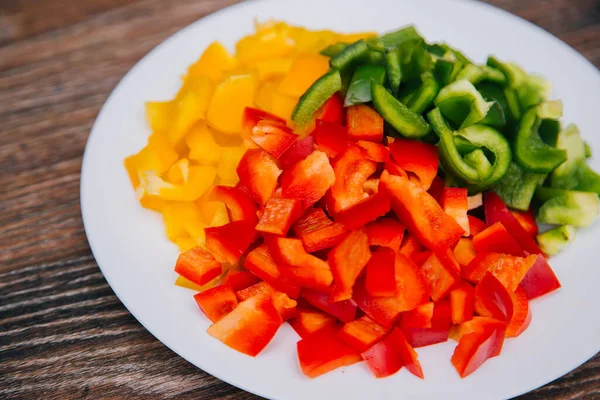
(402, 216)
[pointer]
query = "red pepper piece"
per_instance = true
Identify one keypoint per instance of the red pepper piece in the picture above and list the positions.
(475, 225)
(351, 170)
(249, 327)
(497, 239)
(365, 211)
(521, 315)
(261, 287)
(456, 204)
(347, 261)
(410, 245)
(442, 272)
(440, 327)
(420, 213)
(391, 354)
(317, 231)
(476, 347)
(540, 279)
(393, 169)
(381, 280)
(375, 151)
(332, 110)
(239, 205)
(322, 352)
(527, 221)
(509, 270)
(496, 211)
(297, 152)
(477, 324)
(258, 172)
(216, 302)
(279, 214)
(492, 299)
(309, 179)
(308, 320)
(364, 123)
(228, 242)
(304, 268)
(420, 317)
(273, 137)
(331, 138)
(282, 302)
(371, 186)
(464, 252)
(239, 280)
(344, 310)
(385, 232)
(436, 190)
(417, 157)
(420, 257)
(198, 266)
(253, 116)
(362, 333)
(462, 302)
(384, 310)
(260, 262)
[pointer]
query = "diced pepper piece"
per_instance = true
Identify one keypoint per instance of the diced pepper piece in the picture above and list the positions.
(273, 137)
(420, 317)
(308, 320)
(260, 262)
(464, 252)
(200, 179)
(492, 299)
(364, 123)
(331, 137)
(362, 333)
(421, 97)
(359, 91)
(477, 324)
(421, 213)
(475, 225)
(226, 109)
(462, 302)
(347, 260)
(216, 302)
(189, 106)
(509, 270)
(251, 118)
(258, 172)
(393, 65)
(540, 279)
(456, 204)
(239, 205)
(184, 283)
(408, 123)
(371, 185)
(298, 151)
(344, 310)
(213, 62)
(410, 245)
(527, 221)
(476, 347)
(375, 151)
(305, 69)
(249, 327)
(392, 168)
(286, 307)
(385, 232)
(332, 110)
(261, 287)
(462, 104)
(521, 315)
(442, 272)
(350, 57)
(440, 327)
(198, 266)
(555, 240)
(420, 257)
(228, 163)
(392, 353)
(227, 243)
(320, 91)
(317, 231)
(322, 352)
(567, 207)
(269, 98)
(497, 239)
(417, 157)
(309, 179)
(279, 215)
(517, 186)
(203, 147)
(365, 211)
(381, 277)
(239, 280)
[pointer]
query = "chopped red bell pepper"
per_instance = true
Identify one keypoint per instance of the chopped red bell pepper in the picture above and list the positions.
(198, 266)
(253, 116)
(371, 186)
(462, 302)
(322, 352)
(351, 170)
(442, 272)
(420, 317)
(436, 190)
(384, 310)
(540, 279)
(332, 110)
(475, 225)
(239, 280)
(273, 137)
(509, 270)
(410, 245)
(477, 324)
(417, 157)
(239, 205)
(249, 327)
(420, 213)
(331, 138)
(385, 232)
(261, 287)
(216, 302)
(364, 123)
(344, 310)
(527, 221)
(347, 260)
(420, 257)
(456, 204)
(258, 172)
(464, 252)
(297, 152)
(497, 239)
(497, 211)
(304, 268)
(309, 179)
(375, 151)
(260, 262)
(279, 215)
(362, 333)
(380, 279)
(492, 299)
(391, 354)
(228, 242)
(308, 320)
(393, 169)
(365, 211)
(317, 231)
(282, 302)
(440, 327)
(521, 315)
(476, 347)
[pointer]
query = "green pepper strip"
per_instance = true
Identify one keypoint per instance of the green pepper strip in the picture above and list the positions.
(565, 176)
(517, 186)
(567, 207)
(478, 73)
(401, 36)
(424, 94)
(447, 70)
(316, 95)
(394, 69)
(556, 240)
(334, 49)
(462, 104)
(588, 180)
(359, 90)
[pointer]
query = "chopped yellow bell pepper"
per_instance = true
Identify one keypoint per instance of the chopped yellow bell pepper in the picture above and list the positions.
(191, 104)
(269, 99)
(231, 96)
(305, 70)
(275, 67)
(159, 115)
(207, 207)
(157, 156)
(179, 172)
(186, 243)
(230, 158)
(215, 59)
(264, 45)
(306, 41)
(221, 216)
(184, 283)
(153, 203)
(200, 179)
(188, 215)
(228, 182)
(203, 147)
(174, 228)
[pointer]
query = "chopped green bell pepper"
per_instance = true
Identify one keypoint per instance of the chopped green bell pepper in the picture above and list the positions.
(588, 150)
(566, 174)
(316, 95)
(549, 130)
(517, 186)
(419, 98)
(394, 69)
(334, 49)
(479, 73)
(458, 55)
(399, 37)
(514, 74)
(556, 240)
(359, 90)
(350, 57)
(588, 180)
(462, 104)
(447, 70)
(533, 91)
(408, 123)
(566, 207)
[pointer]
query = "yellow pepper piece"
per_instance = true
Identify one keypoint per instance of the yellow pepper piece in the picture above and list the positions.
(229, 182)
(184, 283)
(174, 228)
(179, 172)
(269, 99)
(230, 158)
(263, 46)
(153, 203)
(157, 156)
(272, 68)
(203, 147)
(221, 216)
(159, 115)
(215, 59)
(311, 41)
(188, 215)
(231, 96)
(305, 70)
(200, 179)
(186, 243)
(191, 105)
(207, 207)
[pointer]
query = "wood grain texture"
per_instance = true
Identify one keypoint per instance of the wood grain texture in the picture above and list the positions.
(63, 332)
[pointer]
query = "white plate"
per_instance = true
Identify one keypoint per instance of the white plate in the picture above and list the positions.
(137, 259)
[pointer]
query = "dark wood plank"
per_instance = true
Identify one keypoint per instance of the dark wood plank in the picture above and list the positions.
(63, 332)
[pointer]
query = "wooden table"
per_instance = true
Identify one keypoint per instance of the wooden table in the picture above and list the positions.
(63, 332)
